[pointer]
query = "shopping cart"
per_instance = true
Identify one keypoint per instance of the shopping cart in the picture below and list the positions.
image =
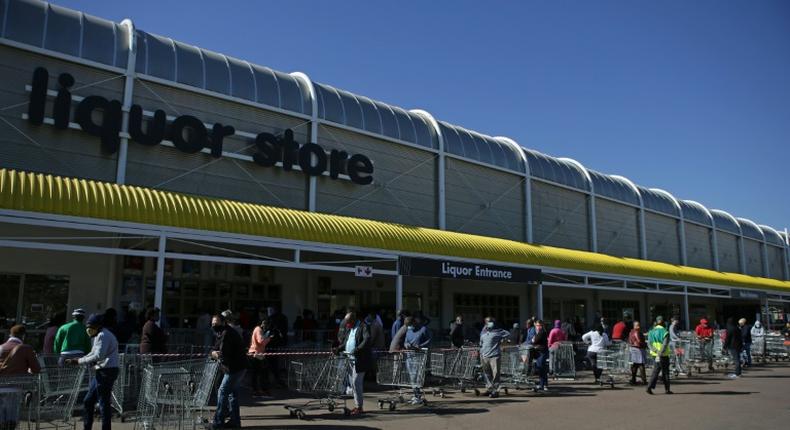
(324, 377)
(18, 400)
(721, 357)
(615, 363)
(173, 394)
(565, 361)
(514, 369)
(758, 348)
(679, 358)
(777, 347)
(404, 370)
(58, 391)
(457, 368)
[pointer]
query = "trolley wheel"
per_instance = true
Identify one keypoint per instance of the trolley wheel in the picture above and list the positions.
(401, 399)
(300, 415)
(611, 384)
(424, 402)
(463, 390)
(392, 406)
(346, 412)
(441, 394)
(381, 404)
(477, 392)
(506, 392)
(330, 407)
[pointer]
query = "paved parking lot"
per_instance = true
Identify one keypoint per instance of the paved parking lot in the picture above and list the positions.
(760, 399)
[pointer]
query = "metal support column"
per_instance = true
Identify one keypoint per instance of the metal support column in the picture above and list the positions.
(160, 272)
(539, 300)
(399, 292)
(128, 88)
(686, 317)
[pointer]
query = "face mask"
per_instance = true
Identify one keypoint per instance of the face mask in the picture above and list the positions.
(350, 324)
(218, 328)
(490, 324)
(411, 327)
(92, 332)
(338, 320)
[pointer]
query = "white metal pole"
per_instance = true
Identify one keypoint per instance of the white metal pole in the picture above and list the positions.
(312, 181)
(160, 272)
(686, 317)
(539, 301)
(128, 88)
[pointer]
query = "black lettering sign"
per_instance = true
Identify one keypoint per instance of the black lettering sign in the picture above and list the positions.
(188, 133)
(424, 267)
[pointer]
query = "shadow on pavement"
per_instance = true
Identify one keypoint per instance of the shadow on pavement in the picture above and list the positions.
(311, 427)
(720, 393)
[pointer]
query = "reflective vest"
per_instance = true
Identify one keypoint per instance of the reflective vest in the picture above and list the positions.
(656, 340)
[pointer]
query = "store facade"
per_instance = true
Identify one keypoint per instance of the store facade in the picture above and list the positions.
(204, 182)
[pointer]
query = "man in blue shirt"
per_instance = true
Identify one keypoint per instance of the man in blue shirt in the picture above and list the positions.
(491, 354)
(354, 340)
(418, 337)
(104, 358)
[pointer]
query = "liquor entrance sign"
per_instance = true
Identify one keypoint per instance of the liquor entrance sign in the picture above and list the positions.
(432, 268)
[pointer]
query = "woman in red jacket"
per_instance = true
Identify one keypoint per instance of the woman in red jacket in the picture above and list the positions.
(638, 345)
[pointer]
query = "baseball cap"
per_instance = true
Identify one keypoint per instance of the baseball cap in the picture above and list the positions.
(94, 320)
(78, 311)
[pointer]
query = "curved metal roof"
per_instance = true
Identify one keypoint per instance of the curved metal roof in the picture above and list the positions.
(67, 31)
(614, 187)
(343, 107)
(165, 58)
(726, 222)
(659, 201)
(556, 170)
(695, 211)
(750, 229)
(32, 192)
(479, 147)
(771, 235)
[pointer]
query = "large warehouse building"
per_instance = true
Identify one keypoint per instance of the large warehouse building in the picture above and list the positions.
(139, 171)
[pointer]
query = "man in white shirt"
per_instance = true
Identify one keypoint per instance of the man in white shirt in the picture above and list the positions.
(104, 358)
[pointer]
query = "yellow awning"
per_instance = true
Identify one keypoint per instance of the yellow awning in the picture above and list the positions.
(33, 192)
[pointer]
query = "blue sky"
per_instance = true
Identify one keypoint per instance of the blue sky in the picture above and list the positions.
(689, 96)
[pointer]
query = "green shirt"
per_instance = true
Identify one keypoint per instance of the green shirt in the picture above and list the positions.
(656, 339)
(72, 337)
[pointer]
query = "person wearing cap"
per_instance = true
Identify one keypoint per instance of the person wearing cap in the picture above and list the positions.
(230, 352)
(658, 342)
(104, 359)
(705, 334)
(71, 339)
(17, 357)
(491, 339)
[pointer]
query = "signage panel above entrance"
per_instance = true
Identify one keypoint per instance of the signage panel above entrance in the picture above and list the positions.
(426, 267)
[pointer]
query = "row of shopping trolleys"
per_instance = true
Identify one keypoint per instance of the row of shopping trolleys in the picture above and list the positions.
(326, 379)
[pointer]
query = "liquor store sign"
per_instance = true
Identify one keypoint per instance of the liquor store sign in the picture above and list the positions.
(186, 132)
(434, 268)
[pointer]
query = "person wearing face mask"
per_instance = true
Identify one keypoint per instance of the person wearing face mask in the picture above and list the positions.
(17, 357)
(153, 339)
(230, 352)
(104, 359)
(355, 341)
(758, 337)
(262, 335)
(491, 354)
(71, 340)
(376, 331)
(541, 344)
(418, 337)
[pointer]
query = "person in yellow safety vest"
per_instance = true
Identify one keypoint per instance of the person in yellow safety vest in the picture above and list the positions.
(658, 342)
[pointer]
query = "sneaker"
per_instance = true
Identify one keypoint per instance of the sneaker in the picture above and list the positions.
(733, 376)
(494, 395)
(668, 392)
(649, 391)
(415, 401)
(356, 412)
(545, 389)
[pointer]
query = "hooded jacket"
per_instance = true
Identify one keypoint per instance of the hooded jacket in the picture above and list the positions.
(758, 329)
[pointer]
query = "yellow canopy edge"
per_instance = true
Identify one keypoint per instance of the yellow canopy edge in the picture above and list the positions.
(34, 192)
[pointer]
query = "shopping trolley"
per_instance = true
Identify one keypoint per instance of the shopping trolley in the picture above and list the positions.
(679, 358)
(758, 348)
(18, 400)
(324, 377)
(458, 368)
(173, 394)
(404, 370)
(615, 363)
(514, 368)
(565, 361)
(59, 388)
(777, 347)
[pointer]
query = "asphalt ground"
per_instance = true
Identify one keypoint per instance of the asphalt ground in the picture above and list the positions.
(758, 400)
